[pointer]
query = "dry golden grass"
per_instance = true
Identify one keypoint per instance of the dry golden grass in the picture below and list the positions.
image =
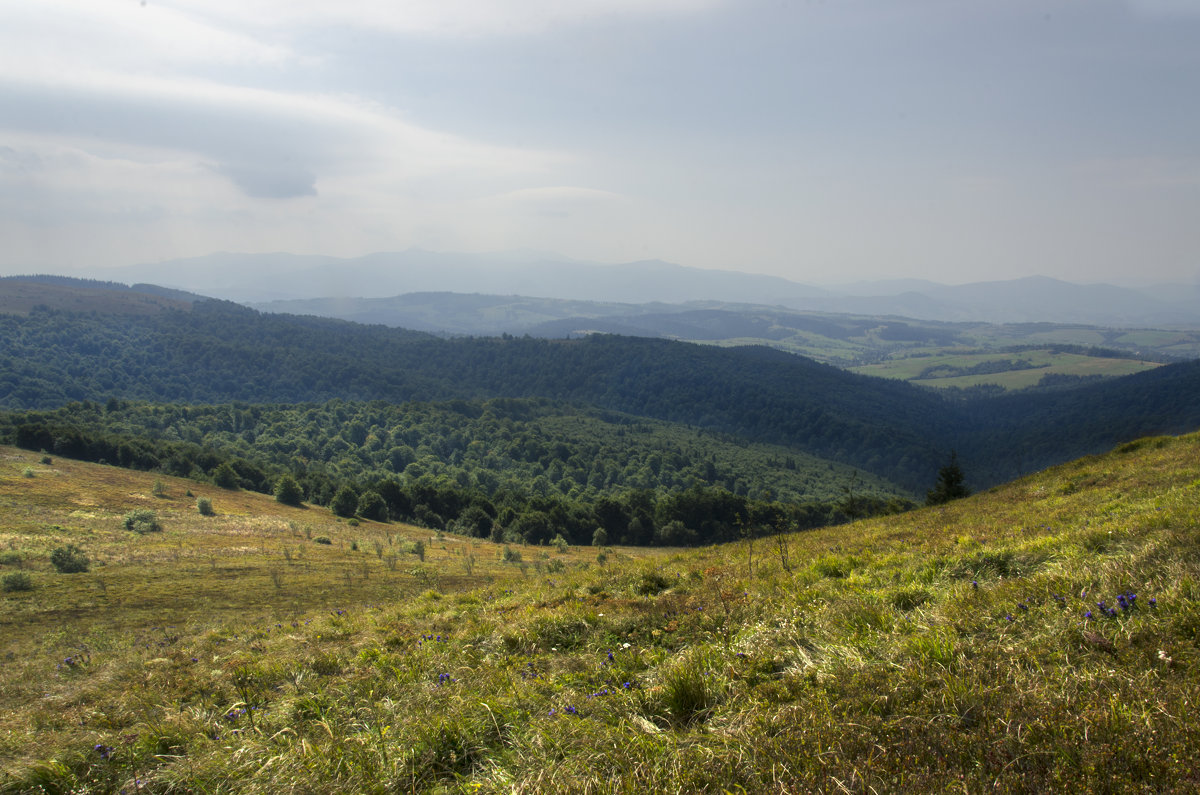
(254, 557)
(958, 648)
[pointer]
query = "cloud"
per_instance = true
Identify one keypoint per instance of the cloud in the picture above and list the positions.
(269, 143)
(270, 180)
(52, 39)
(472, 18)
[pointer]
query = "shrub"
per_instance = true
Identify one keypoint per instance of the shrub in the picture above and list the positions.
(29, 473)
(16, 581)
(47, 460)
(344, 503)
(12, 559)
(159, 490)
(226, 477)
(322, 540)
(560, 543)
(69, 559)
(142, 521)
(372, 506)
(419, 549)
(288, 492)
(651, 583)
(510, 555)
(204, 506)
(600, 537)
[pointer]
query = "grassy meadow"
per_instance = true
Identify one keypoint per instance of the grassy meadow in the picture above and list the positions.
(1027, 368)
(1043, 636)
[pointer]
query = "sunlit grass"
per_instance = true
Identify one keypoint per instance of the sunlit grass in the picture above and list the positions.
(948, 649)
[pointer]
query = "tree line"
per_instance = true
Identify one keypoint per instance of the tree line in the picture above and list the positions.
(431, 491)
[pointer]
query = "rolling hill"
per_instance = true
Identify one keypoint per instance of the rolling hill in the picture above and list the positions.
(218, 352)
(1038, 637)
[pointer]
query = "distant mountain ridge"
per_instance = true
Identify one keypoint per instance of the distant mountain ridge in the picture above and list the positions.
(260, 278)
(250, 278)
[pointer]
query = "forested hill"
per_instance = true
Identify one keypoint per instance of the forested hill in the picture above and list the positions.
(220, 352)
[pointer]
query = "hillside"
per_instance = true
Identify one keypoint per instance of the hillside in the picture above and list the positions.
(1039, 637)
(887, 344)
(520, 470)
(219, 352)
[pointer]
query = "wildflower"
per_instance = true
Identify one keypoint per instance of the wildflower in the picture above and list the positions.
(1153, 602)
(1009, 617)
(610, 656)
(103, 750)
(975, 584)
(1088, 615)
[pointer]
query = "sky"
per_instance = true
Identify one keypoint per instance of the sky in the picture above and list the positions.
(819, 140)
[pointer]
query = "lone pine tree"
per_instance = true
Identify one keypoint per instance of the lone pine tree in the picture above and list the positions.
(950, 483)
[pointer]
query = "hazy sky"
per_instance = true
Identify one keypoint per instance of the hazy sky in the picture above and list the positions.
(820, 140)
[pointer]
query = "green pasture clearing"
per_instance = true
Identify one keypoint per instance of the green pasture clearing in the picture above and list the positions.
(1031, 366)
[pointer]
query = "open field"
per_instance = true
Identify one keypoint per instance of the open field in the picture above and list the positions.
(254, 556)
(1011, 370)
(1042, 636)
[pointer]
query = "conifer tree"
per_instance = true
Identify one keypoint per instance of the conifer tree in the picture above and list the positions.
(950, 483)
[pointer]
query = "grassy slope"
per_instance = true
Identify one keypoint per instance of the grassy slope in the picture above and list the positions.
(874, 663)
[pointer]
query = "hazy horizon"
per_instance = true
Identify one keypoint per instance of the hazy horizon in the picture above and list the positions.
(823, 143)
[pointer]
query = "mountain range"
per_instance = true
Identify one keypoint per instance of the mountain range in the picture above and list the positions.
(261, 278)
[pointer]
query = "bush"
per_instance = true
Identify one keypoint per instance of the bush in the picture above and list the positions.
(12, 559)
(651, 583)
(560, 543)
(510, 555)
(16, 581)
(142, 521)
(371, 506)
(69, 559)
(47, 460)
(204, 506)
(323, 540)
(288, 492)
(344, 503)
(226, 477)
(29, 473)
